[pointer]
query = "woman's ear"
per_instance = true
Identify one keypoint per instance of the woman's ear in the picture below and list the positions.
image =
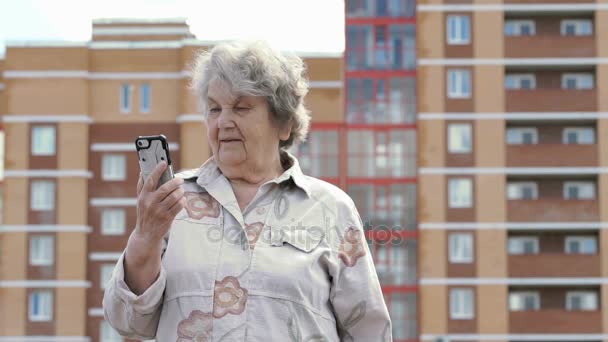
(285, 132)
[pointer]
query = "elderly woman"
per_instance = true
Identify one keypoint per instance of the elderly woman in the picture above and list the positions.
(247, 248)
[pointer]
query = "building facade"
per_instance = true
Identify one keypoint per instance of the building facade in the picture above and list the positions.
(379, 133)
(71, 112)
(512, 178)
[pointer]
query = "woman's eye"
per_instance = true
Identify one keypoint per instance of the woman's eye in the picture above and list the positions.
(241, 109)
(214, 110)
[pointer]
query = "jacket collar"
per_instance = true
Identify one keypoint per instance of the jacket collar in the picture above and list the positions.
(209, 172)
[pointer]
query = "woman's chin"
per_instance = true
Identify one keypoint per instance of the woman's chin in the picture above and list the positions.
(231, 159)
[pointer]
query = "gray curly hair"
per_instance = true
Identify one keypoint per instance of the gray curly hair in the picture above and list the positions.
(255, 69)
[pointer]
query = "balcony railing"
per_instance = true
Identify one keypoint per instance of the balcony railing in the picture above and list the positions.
(552, 210)
(558, 265)
(551, 100)
(552, 155)
(549, 46)
(555, 321)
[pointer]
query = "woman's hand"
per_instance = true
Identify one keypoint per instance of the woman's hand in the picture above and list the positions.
(156, 209)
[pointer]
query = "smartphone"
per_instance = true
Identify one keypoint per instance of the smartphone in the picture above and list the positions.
(151, 150)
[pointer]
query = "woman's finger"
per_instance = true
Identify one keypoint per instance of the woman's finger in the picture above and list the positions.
(140, 183)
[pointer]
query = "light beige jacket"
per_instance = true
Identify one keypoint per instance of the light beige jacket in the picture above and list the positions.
(293, 266)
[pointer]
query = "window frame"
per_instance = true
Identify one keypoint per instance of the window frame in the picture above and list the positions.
(518, 23)
(145, 93)
(37, 198)
(581, 239)
(580, 78)
(37, 134)
(46, 257)
(522, 130)
(105, 274)
(460, 82)
(461, 258)
(103, 224)
(108, 162)
(465, 127)
(580, 132)
(578, 23)
(465, 204)
(518, 78)
(571, 294)
(568, 184)
(533, 185)
(31, 306)
(460, 36)
(463, 292)
(126, 103)
(522, 239)
(533, 294)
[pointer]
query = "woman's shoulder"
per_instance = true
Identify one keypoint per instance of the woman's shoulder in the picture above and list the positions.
(330, 193)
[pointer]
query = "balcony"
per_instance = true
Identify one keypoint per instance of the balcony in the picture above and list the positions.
(550, 46)
(552, 210)
(554, 265)
(552, 155)
(555, 321)
(551, 100)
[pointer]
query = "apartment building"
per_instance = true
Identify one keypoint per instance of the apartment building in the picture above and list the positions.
(379, 134)
(71, 111)
(512, 178)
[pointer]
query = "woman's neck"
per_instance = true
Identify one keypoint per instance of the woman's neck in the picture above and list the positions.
(247, 179)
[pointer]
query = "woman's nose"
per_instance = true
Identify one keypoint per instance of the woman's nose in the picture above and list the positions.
(225, 119)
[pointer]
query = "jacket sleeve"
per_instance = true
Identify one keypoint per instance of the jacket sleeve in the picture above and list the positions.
(131, 315)
(356, 295)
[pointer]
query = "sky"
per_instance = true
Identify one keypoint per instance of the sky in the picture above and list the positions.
(299, 25)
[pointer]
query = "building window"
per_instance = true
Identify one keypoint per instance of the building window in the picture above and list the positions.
(581, 301)
(459, 84)
(41, 306)
(43, 140)
(581, 245)
(577, 27)
(381, 153)
(524, 301)
(462, 304)
(578, 135)
(520, 28)
(522, 136)
(382, 101)
(114, 167)
(459, 29)
(520, 81)
(579, 190)
(522, 190)
(105, 274)
(319, 154)
(385, 206)
(145, 98)
(461, 193)
(381, 47)
(395, 261)
(577, 81)
(125, 97)
(461, 248)
(113, 221)
(460, 138)
(523, 245)
(42, 250)
(42, 196)
(379, 8)
(108, 334)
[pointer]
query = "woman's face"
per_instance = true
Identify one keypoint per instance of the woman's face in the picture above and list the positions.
(240, 129)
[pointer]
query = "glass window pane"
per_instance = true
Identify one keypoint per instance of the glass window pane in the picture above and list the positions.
(43, 140)
(113, 221)
(145, 98)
